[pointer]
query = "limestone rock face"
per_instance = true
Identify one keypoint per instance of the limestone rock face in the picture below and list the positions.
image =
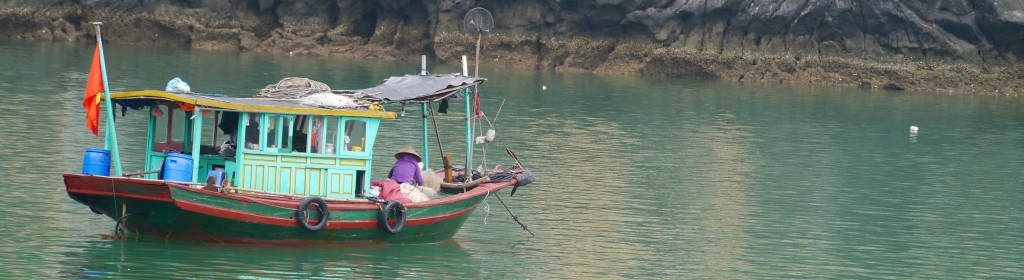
(785, 40)
(947, 29)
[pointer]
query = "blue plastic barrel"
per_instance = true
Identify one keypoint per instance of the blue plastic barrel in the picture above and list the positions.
(96, 162)
(178, 167)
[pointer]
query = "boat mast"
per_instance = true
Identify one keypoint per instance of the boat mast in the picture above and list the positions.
(110, 139)
(469, 124)
(423, 108)
(197, 130)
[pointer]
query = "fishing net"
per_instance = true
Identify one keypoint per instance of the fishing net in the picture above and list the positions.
(330, 100)
(293, 88)
(312, 93)
(502, 176)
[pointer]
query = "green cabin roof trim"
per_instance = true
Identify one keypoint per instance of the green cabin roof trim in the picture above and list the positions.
(254, 105)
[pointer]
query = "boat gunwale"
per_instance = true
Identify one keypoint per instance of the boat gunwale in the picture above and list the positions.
(284, 200)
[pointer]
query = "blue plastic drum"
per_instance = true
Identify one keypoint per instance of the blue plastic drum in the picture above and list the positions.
(178, 167)
(96, 162)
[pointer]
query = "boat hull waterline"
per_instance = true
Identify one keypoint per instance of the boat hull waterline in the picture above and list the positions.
(175, 211)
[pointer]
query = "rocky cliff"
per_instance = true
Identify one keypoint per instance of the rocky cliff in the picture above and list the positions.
(949, 45)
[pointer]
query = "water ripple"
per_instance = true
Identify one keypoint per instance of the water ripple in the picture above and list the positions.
(636, 178)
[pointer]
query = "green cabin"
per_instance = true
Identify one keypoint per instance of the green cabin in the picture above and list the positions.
(280, 147)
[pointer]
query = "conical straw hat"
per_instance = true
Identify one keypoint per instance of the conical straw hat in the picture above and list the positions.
(408, 150)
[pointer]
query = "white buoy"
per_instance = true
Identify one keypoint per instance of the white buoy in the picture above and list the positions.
(489, 136)
(913, 134)
(484, 139)
(543, 87)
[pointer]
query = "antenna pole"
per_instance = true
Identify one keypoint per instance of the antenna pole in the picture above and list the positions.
(476, 93)
(479, 35)
(477, 20)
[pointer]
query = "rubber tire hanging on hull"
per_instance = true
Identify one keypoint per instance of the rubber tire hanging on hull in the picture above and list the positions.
(300, 214)
(382, 218)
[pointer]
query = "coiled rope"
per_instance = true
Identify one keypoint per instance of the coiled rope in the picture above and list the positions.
(293, 88)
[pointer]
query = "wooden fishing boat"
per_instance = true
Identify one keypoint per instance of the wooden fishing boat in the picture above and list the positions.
(272, 183)
(299, 174)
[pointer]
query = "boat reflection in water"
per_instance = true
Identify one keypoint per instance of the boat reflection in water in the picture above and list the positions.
(131, 260)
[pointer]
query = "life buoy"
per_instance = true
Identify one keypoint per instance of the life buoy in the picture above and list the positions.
(399, 219)
(300, 214)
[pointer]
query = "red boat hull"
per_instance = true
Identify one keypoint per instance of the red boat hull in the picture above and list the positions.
(172, 211)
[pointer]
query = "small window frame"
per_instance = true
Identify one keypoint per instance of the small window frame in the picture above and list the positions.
(362, 142)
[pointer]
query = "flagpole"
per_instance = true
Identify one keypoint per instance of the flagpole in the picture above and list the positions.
(111, 133)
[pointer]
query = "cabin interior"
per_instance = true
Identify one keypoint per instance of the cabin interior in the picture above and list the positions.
(327, 156)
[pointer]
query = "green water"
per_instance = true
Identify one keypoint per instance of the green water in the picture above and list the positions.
(636, 178)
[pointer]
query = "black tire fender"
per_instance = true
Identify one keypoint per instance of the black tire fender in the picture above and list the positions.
(382, 217)
(300, 214)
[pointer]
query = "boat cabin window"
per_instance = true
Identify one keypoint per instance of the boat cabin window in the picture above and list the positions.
(323, 136)
(331, 137)
(218, 127)
(316, 132)
(300, 134)
(169, 128)
(279, 133)
(286, 132)
(228, 124)
(272, 131)
(305, 134)
(275, 133)
(355, 136)
(252, 131)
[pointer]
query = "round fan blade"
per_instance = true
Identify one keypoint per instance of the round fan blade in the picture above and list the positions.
(478, 21)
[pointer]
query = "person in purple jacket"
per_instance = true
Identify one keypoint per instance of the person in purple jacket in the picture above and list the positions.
(407, 168)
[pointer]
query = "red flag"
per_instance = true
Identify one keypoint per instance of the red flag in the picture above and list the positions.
(93, 90)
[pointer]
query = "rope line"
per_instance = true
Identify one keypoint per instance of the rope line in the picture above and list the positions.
(449, 117)
(437, 134)
(487, 207)
(118, 229)
(514, 218)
